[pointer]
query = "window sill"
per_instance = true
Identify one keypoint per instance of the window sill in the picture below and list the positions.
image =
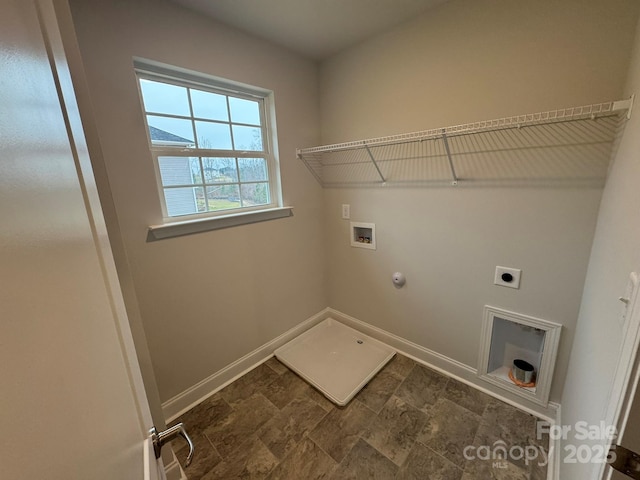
(177, 229)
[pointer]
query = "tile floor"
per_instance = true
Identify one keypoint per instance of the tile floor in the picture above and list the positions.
(409, 422)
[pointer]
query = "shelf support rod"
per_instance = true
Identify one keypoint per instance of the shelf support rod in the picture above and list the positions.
(375, 164)
(446, 147)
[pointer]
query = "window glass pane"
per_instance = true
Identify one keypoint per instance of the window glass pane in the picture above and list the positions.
(220, 170)
(201, 202)
(182, 201)
(213, 135)
(164, 98)
(170, 131)
(188, 121)
(223, 197)
(179, 170)
(255, 194)
(196, 171)
(209, 105)
(247, 138)
(252, 169)
(244, 111)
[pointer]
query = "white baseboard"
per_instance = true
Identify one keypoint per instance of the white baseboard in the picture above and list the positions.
(555, 448)
(182, 402)
(186, 400)
(445, 365)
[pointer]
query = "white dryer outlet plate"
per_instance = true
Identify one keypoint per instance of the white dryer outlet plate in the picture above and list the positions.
(507, 277)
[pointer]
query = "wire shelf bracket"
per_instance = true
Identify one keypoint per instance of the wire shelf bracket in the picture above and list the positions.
(454, 182)
(375, 164)
(573, 143)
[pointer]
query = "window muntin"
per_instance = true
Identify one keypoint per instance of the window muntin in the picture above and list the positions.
(210, 146)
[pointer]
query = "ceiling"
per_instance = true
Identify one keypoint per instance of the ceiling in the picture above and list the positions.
(313, 28)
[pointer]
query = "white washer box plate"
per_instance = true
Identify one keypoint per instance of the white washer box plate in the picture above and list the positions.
(337, 360)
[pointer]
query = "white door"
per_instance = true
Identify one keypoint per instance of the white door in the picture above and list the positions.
(630, 433)
(72, 404)
(625, 408)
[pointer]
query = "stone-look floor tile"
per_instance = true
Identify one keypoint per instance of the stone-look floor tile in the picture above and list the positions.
(506, 425)
(500, 436)
(491, 468)
(196, 420)
(250, 383)
(306, 462)
(424, 464)
(292, 384)
(540, 437)
(284, 431)
(365, 463)
(251, 460)
(449, 430)
(285, 388)
(400, 365)
(247, 418)
(379, 390)
(205, 457)
(522, 423)
(421, 387)
(326, 404)
(339, 431)
(466, 396)
(538, 467)
(394, 431)
(277, 366)
(205, 413)
(538, 470)
(272, 424)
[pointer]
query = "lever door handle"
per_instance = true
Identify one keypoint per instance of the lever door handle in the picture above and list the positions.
(160, 438)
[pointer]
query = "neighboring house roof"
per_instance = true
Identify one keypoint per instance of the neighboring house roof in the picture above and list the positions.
(158, 135)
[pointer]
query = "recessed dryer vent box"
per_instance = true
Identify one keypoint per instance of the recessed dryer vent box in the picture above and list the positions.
(363, 235)
(507, 336)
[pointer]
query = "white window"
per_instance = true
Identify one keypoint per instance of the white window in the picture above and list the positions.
(212, 144)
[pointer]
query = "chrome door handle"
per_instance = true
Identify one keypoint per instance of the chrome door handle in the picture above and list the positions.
(160, 438)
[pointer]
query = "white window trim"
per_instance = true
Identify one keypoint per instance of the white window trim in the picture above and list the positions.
(205, 221)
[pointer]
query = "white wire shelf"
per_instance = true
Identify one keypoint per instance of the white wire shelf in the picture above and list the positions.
(570, 145)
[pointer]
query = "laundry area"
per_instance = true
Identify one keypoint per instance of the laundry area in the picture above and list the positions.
(319, 239)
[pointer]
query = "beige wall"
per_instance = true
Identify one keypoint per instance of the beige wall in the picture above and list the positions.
(475, 60)
(206, 299)
(464, 61)
(615, 254)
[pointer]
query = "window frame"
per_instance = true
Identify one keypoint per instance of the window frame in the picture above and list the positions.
(232, 216)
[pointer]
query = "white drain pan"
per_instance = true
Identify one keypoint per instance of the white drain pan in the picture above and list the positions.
(335, 359)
